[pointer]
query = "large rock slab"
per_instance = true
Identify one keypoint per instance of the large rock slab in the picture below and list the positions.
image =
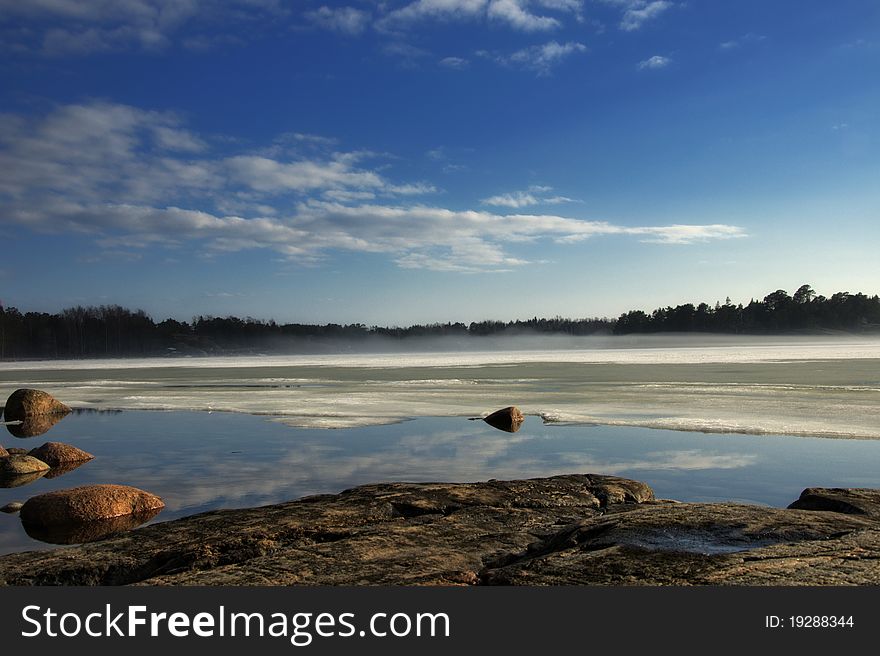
(25, 403)
(574, 529)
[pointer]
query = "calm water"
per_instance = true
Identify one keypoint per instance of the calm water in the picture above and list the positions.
(199, 461)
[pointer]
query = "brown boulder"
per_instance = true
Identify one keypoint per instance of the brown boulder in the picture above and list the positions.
(58, 453)
(23, 403)
(3, 452)
(507, 419)
(17, 465)
(87, 504)
(33, 426)
(15, 451)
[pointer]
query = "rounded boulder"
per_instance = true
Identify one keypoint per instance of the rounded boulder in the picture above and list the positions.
(55, 454)
(14, 465)
(87, 504)
(507, 419)
(24, 403)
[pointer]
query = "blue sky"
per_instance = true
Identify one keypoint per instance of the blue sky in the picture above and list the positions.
(430, 160)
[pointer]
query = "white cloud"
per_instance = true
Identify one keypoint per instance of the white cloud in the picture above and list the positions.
(105, 170)
(515, 14)
(744, 40)
(527, 198)
(347, 20)
(542, 59)
(443, 10)
(638, 12)
(654, 63)
(455, 63)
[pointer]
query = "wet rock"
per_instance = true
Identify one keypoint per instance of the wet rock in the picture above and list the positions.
(87, 504)
(562, 530)
(34, 426)
(851, 501)
(12, 507)
(17, 451)
(508, 419)
(3, 452)
(24, 403)
(14, 465)
(80, 533)
(55, 454)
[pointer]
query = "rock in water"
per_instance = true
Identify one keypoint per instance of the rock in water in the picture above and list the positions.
(87, 504)
(23, 403)
(507, 419)
(58, 453)
(33, 426)
(16, 465)
(3, 452)
(15, 451)
(10, 508)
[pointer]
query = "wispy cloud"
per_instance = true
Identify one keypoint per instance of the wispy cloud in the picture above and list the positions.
(346, 20)
(455, 63)
(515, 14)
(542, 59)
(638, 12)
(744, 40)
(106, 170)
(654, 63)
(77, 27)
(534, 195)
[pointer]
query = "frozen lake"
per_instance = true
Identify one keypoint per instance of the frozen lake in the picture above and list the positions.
(728, 419)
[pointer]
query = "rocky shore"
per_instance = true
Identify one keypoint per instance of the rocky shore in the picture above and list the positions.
(563, 530)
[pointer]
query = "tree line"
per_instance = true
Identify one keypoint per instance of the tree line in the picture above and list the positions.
(114, 331)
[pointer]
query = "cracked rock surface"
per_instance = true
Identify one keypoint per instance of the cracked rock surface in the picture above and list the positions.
(562, 530)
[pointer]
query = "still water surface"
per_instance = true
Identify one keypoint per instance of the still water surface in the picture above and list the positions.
(199, 461)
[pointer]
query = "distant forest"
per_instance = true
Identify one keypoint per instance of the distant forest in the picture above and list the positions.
(113, 331)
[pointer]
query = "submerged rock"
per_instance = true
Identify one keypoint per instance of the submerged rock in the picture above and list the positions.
(87, 504)
(34, 426)
(58, 453)
(12, 507)
(563, 530)
(508, 419)
(24, 403)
